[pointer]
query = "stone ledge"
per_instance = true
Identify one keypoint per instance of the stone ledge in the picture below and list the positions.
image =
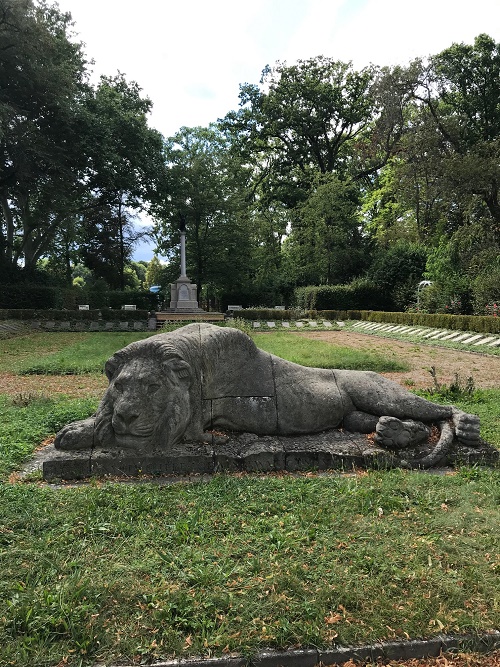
(245, 452)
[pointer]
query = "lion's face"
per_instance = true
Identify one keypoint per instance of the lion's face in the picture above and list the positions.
(147, 403)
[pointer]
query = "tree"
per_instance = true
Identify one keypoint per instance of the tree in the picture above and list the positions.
(325, 245)
(69, 152)
(460, 92)
(125, 169)
(397, 270)
(106, 240)
(315, 132)
(42, 74)
(154, 273)
(207, 195)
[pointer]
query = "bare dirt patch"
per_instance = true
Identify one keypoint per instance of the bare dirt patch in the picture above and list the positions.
(484, 369)
(75, 386)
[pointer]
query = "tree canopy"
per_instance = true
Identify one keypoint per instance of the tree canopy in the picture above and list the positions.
(73, 155)
(324, 174)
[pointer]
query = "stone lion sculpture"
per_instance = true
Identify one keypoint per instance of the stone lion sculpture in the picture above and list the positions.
(175, 386)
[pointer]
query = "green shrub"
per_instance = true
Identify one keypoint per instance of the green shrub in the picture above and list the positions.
(264, 314)
(479, 324)
(360, 294)
(25, 296)
(486, 291)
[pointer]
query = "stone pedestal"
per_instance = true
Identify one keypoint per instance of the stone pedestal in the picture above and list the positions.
(183, 296)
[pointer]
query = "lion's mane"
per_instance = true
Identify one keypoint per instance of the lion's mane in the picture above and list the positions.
(167, 369)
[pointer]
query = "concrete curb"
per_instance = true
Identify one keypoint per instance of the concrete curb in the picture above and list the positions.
(404, 650)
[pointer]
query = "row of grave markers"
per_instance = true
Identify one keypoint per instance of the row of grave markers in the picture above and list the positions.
(465, 338)
(51, 325)
(285, 324)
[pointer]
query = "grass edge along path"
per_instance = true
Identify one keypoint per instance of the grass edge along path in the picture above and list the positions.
(420, 339)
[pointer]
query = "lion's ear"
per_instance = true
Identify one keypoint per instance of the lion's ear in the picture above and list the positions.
(180, 367)
(111, 366)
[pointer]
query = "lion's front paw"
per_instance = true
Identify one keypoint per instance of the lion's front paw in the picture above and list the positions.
(467, 428)
(77, 435)
(393, 433)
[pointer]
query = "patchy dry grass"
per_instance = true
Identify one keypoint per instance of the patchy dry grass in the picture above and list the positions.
(113, 572)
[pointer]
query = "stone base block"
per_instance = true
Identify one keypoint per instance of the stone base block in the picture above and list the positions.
(243, 452)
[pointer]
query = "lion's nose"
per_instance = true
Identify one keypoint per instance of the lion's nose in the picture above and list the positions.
(129, 417)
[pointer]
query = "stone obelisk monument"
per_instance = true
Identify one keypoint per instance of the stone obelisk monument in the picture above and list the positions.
(183, 294)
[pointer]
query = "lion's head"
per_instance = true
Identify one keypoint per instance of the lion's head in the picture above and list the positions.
(147, 403)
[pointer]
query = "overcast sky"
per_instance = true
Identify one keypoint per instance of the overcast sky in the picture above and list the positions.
(190, 56)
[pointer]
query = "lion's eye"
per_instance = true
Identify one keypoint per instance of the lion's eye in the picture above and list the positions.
(119, 387)
(153, 388)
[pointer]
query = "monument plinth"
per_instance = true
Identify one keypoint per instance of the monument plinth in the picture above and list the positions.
(183, 293)
(183, 296)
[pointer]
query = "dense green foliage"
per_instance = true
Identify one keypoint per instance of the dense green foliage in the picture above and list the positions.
(361, 294)
(27, 296)
(325, 176)
(77, 160)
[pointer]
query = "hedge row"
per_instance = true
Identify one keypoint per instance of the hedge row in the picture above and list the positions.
(22, 296)
(335, 314)
(477, 323)
(74, 315)
(264, 314)
(361, 294)
(272, 314)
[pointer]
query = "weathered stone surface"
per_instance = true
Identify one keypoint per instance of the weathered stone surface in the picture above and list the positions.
(411, 649)
(266, 454)
(341, 654)
(178, 387)
(58, 465)
(243, 452)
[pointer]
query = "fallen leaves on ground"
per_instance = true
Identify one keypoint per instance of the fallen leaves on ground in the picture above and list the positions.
(448, 660)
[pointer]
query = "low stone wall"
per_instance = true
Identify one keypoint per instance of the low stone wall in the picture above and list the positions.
(98, 325)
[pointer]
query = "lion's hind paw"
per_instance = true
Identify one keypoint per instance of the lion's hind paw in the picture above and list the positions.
(467, 428)
(393, 433)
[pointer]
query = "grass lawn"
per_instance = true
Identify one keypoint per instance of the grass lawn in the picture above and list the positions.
(62, 353)
(113, 572)
(319, 354)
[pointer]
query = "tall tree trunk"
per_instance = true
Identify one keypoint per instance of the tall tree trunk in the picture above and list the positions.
(7, 244)
(122, 249)
(67, 263)
(491, 200)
